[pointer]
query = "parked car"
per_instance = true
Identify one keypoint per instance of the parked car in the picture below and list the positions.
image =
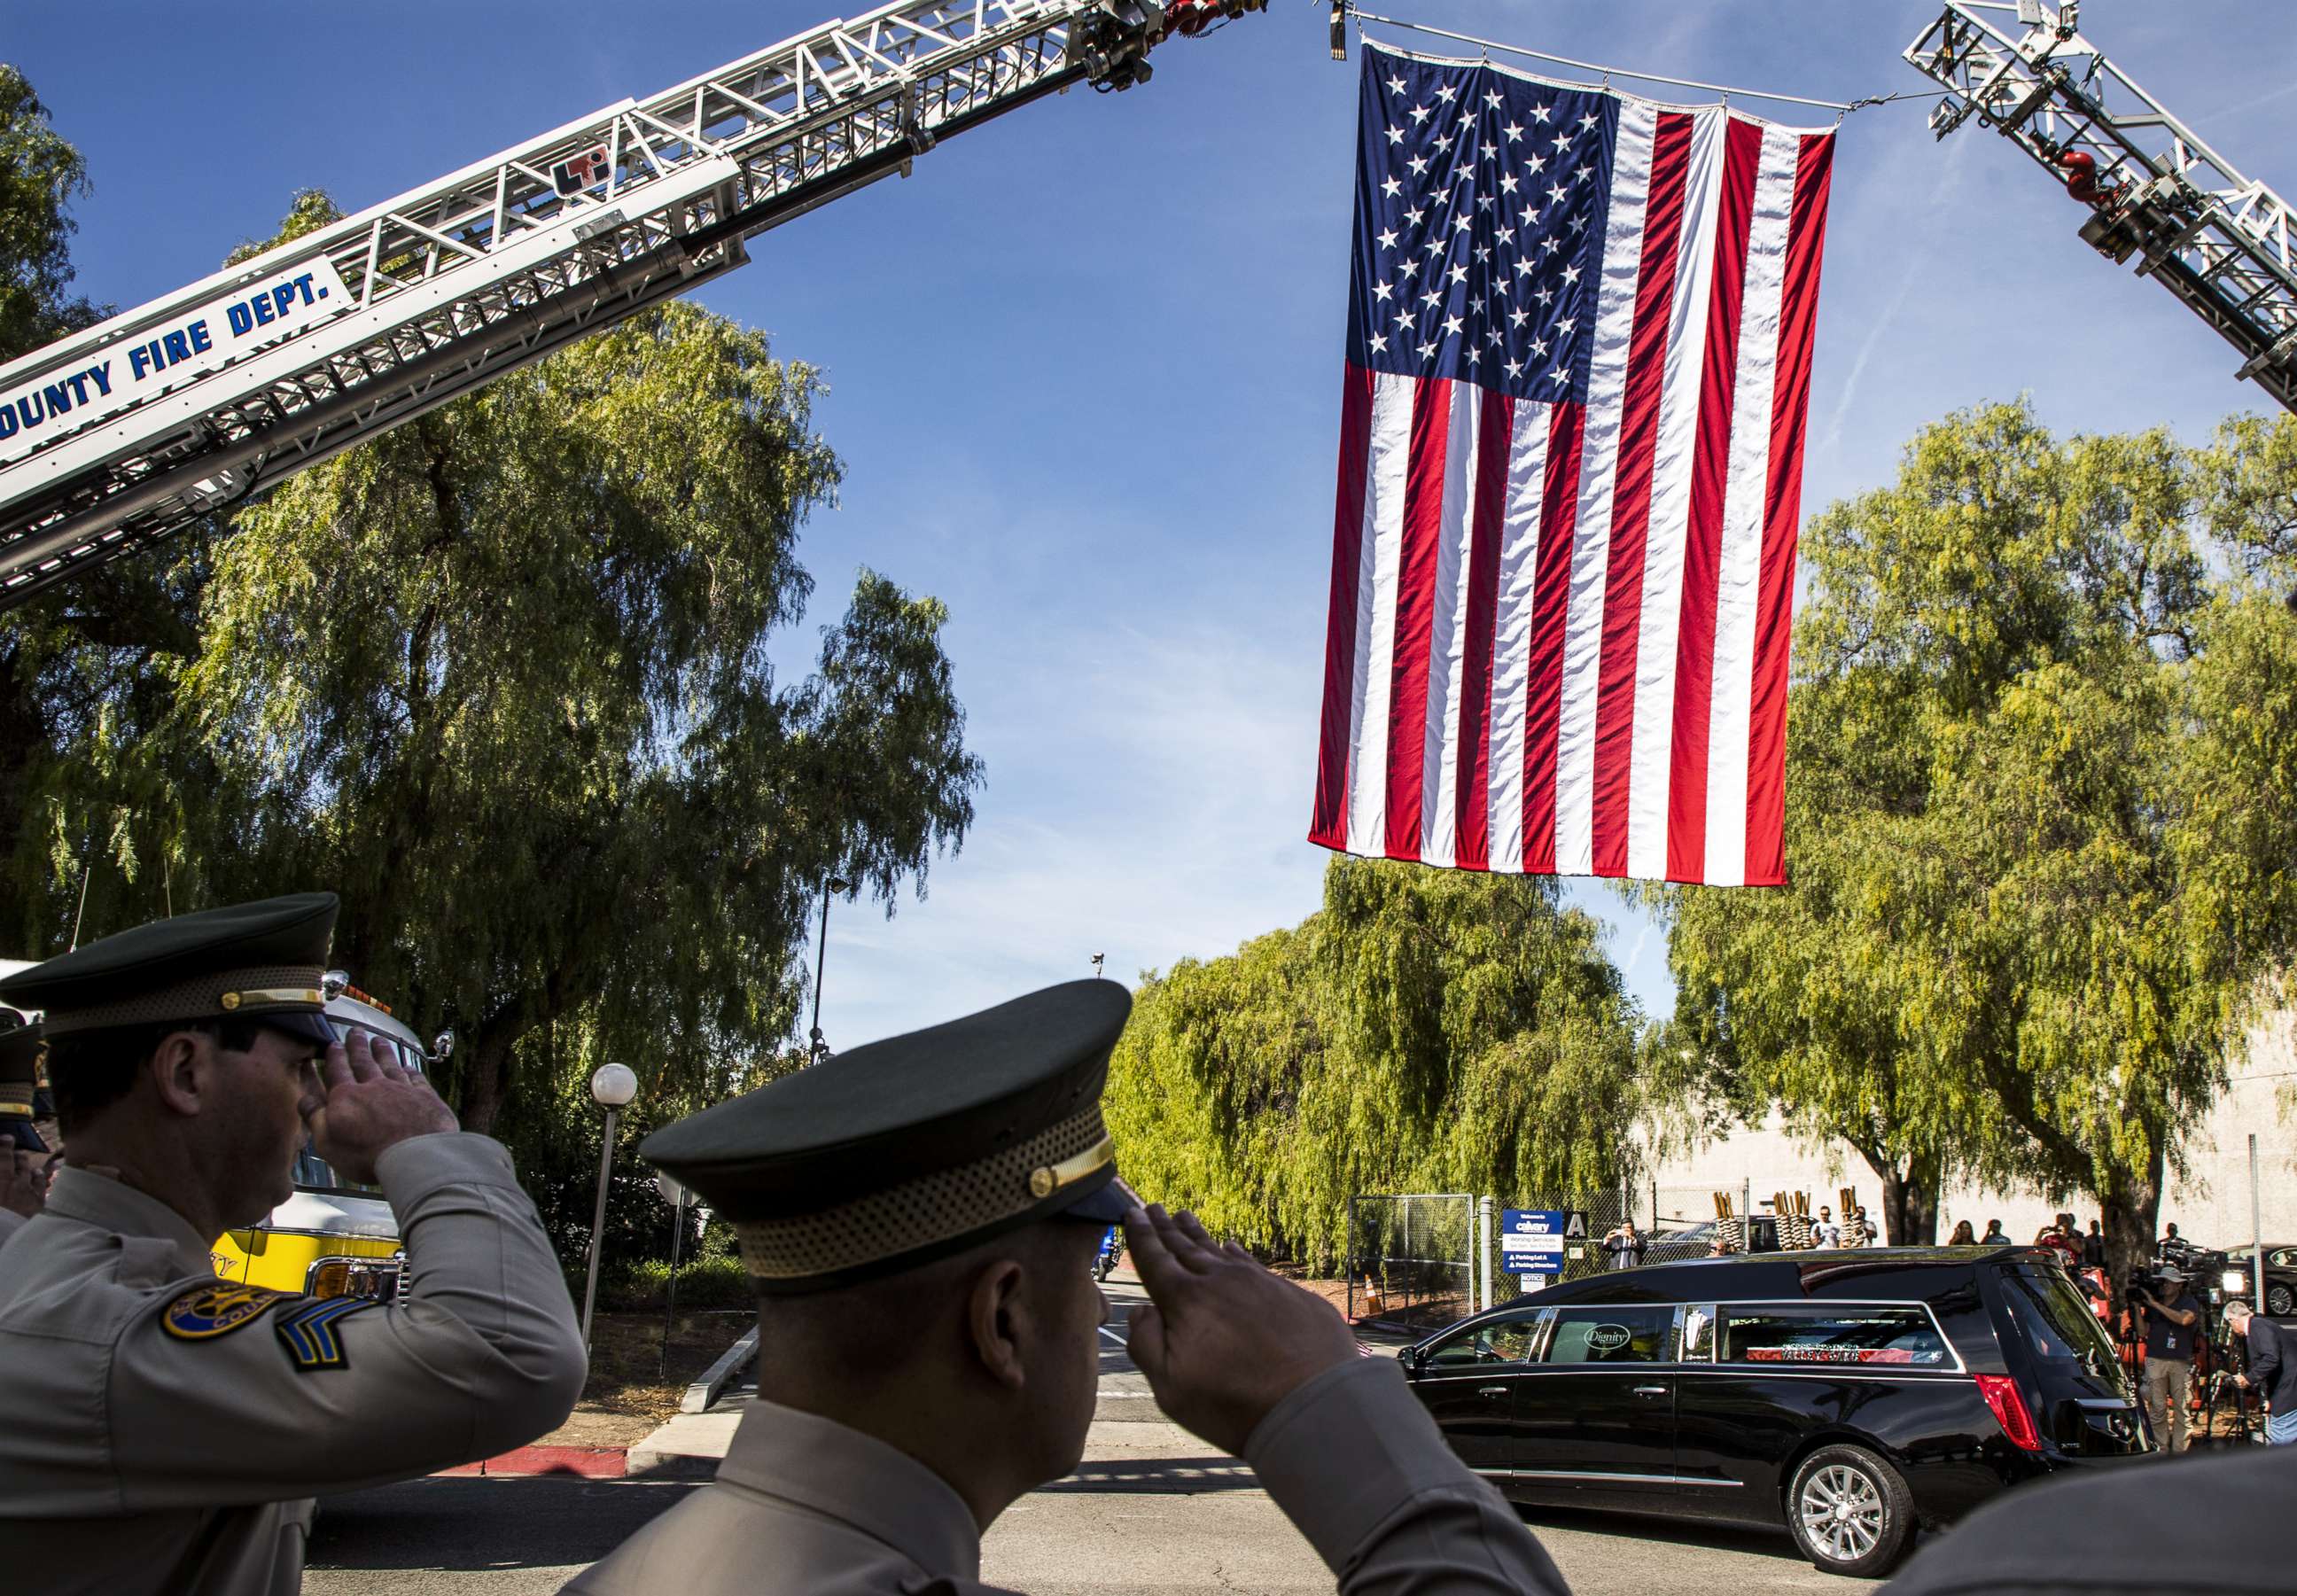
(1671, 1246)
(2280, 1280)
(1849, 1395)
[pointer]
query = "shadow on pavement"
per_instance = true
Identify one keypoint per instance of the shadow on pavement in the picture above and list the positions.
(1676, 1532)
(473, 1523)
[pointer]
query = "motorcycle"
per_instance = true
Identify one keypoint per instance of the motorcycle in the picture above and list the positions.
(1104, 1262)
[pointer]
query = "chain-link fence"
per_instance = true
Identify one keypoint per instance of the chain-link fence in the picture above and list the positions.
(1583, 1253)
(1418, 1261)
(1411, 1258)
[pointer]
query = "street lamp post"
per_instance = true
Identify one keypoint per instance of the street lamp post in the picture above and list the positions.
(613, 1085)
(818, 1048)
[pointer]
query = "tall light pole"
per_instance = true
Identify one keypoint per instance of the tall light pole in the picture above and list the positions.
(819, 1050)
(612, 1086)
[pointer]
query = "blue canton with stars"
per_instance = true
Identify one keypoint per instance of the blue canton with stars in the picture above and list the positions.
(1481, 201)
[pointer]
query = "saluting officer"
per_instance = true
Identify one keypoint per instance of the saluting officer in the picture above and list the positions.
(918, 1216)
(184, 1422)
(23, 1155)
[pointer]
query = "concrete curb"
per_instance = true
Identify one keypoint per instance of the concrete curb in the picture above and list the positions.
(704, 1391)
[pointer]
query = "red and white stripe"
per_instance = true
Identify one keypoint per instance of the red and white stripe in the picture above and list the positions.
(1558, 634)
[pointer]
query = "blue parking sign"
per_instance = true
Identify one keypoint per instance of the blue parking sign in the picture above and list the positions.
(1531, 1239)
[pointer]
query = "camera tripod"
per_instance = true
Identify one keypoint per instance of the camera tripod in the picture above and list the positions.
(2228, 1416)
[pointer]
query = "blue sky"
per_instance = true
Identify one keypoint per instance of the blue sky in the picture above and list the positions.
(1084, 369)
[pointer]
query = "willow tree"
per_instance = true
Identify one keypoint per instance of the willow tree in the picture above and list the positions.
(501, 678)
(1425, 1030)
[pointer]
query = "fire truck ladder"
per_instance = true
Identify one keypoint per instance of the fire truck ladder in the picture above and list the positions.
(451, 286)
(2156, 191)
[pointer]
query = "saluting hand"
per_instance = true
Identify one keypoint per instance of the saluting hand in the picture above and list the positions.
(1223, 1340)
(365, 1103)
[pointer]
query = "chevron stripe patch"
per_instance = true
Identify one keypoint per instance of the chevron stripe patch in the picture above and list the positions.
(307, 1331)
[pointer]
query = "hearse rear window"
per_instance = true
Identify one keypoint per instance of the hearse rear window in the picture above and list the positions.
(1849, 1333)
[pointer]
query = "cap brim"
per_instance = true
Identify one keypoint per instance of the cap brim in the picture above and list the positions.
(299, 1023)
(1106, 1204)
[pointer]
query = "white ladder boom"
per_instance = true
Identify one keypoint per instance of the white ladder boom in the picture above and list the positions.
(116, 437)
(2156, 191)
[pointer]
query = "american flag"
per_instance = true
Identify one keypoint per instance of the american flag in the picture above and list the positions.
(1578, 366)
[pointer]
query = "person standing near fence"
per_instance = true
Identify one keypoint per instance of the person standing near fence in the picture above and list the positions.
(1625, 1244)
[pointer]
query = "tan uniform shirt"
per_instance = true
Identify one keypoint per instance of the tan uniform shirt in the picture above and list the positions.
(802, 1504)
(175, 1426)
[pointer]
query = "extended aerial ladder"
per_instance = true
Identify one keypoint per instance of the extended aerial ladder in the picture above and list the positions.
(114, 438)
(2156, 191)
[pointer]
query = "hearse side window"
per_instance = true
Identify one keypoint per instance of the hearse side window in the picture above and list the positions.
(1623, 1333)
(1496, 1341)
(1843, 1333)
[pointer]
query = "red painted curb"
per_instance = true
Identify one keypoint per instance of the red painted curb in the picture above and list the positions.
(590, 1462)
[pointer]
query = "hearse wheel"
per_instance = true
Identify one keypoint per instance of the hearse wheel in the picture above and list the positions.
(1850, 1511)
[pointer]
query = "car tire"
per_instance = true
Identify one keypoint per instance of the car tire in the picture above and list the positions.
(1850, 1511)
(2280, 1302)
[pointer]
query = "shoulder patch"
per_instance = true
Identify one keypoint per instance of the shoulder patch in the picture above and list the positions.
(207, 1311)
(307, 1331)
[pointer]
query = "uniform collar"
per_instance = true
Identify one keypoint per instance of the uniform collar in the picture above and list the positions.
(843, 1474)
(114, 1206)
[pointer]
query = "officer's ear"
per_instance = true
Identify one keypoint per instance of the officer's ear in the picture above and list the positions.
(997, 1320)
(181, 1069)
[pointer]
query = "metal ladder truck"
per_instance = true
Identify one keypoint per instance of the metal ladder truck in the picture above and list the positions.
(115, 437)
(2156, 191)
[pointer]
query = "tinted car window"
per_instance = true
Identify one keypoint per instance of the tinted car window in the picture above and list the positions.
(2058, 1326)
(1496, 1341)
(2281, 1257)
(1640, 1333)
(1846, 1333)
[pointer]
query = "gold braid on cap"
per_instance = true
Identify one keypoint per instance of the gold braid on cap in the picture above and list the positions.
(934, 1208)
(16, 1099)
(260, 990)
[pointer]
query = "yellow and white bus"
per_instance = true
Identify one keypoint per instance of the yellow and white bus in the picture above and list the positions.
(331, 1238)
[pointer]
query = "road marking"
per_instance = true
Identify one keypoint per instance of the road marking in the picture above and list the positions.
(1112, 1335)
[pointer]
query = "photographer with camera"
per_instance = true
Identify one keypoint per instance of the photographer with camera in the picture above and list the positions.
(2167, 1319)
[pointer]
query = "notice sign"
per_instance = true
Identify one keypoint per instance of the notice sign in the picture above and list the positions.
(1531, 1239)
(189, 344)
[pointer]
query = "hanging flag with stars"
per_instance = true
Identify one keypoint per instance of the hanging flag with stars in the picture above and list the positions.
(1578, 366)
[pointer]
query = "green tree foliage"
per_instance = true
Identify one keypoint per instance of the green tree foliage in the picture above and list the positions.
(71, 668)
(40, 175)
(501, 678)
(2032, 810)
(1425, 1030)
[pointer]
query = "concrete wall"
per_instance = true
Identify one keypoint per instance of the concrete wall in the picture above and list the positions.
(2209, 1203)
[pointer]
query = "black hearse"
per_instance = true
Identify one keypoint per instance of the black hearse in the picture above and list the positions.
(1848, 1394)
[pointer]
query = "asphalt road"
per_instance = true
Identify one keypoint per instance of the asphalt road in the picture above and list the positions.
(1151, 1512)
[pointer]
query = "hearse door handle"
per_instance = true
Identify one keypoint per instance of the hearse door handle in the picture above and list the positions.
(1490, 1391)
(1650, 1390)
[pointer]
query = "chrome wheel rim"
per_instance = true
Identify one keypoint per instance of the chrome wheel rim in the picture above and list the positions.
(1842, 1511)
(2278, 1301)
